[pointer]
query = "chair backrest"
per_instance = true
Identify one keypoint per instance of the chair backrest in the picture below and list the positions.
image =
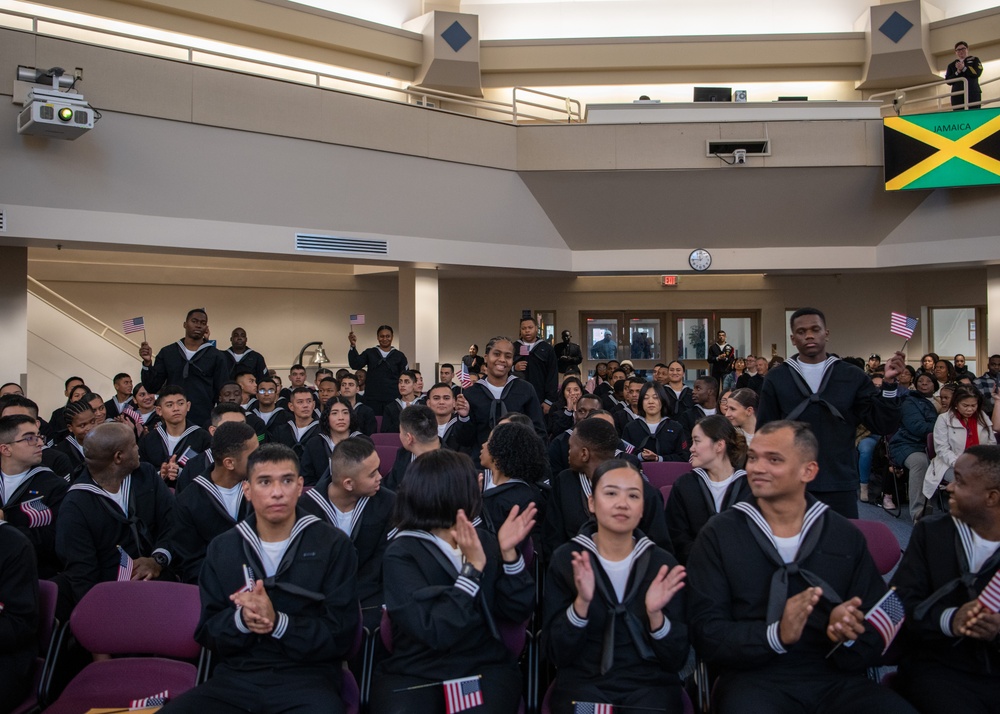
(48, 595)
(665, 490)
(139, 617)
(388, 439)
(664, 473)
(930, 446)
(882, 544)
(387, 457)
(378, 421)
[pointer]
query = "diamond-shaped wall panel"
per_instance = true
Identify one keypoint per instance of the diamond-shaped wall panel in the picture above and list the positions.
(456, 36)
(895, 27)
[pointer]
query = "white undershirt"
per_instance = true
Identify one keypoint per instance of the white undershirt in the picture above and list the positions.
(343, 519)
(119, 498)
(617, 573)
(677, 391)
(652, 427)
(442, 428)
(172, 442)
(231, 497)
(299, 432)
(239, 356)
(982, 549)
(813, 374)
(709, 412)
(383, 353)
(266, 416)
(273, 553)
(495, 391)
(187, 353)
(11, 482)
(530, 345)
(453, 554)
(788, 547)
(718, 489)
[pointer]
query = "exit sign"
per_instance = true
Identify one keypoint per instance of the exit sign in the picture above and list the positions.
(668, 280)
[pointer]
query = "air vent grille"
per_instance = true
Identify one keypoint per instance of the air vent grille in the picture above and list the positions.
(3, 221)
(333, 244)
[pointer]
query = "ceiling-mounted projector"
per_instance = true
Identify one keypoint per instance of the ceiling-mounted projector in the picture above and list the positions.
(53, 113)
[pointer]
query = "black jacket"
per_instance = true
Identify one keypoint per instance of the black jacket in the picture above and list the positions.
(33, 509)
(153, 448)
(846, 398)
(669, 442)
(91, 526)
(367, 424)
(485, 411)
(730, 576)
(444, 626)
(382, 383)
(619, 631)
(313, 592)
(200, 515)
(568, 357)
(285, 434)
(935, 559)
(19, 594)
(71, 452)
(691, 505)
(542, 372)
(369, 534)
(251, 359)
(201, 378)
(314, 461)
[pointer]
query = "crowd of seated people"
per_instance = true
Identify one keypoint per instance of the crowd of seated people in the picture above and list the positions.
(515, 506)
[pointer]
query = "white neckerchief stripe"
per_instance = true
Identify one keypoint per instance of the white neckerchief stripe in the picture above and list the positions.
(965, 536)
(757, 518)
(323, 502)
(215, 492)
(75, 444)
(98, 491)
(251, 537)
(164, 436)
(708, 479)
(794, 364)
(585, 485)
(640, 547)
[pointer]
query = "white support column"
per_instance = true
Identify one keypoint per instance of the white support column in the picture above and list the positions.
(419, 319)
(14, 316)
(992, 311)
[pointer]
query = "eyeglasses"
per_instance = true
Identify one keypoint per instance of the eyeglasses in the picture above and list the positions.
(28, 439)
(265, 391)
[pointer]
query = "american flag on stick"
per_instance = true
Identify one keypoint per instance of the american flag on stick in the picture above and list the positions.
(125, 565)
(462, 694)
(37, 512)
(592, 708)
(357, 319)
(887, 617)
(902, 325)
(464, 378)
(990, 596)
(133, 324)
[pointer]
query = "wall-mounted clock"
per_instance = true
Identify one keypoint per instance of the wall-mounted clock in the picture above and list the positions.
(700, 260)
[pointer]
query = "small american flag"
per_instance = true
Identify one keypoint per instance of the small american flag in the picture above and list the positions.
(462, 694)
(134, 324)
(902, 325)
(157, 700)
(592, 708)
(464, 378)
(133, 414)
(125, 565)
(37, 512)
(188, 454)
(887, 617)
(990, 596)
(357, 319)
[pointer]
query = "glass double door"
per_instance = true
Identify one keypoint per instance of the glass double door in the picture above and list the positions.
(648, 337)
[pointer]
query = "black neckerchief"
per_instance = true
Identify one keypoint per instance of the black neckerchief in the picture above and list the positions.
(811, 533)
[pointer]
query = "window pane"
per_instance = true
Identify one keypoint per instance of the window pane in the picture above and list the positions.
(737, 331)
(692, 338)
(954, 331)
(601, 342)
(644, 338)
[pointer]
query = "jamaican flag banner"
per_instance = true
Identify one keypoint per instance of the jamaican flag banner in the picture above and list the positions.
(942, 150)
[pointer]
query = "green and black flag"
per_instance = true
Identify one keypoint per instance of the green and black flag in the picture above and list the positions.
(942, 150)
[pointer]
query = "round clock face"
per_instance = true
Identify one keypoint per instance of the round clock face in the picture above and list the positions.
(700, 259)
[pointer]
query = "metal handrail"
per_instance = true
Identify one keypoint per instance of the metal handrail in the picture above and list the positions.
(106, 328)
(567, 101)
(899, 95)
(317, 77)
